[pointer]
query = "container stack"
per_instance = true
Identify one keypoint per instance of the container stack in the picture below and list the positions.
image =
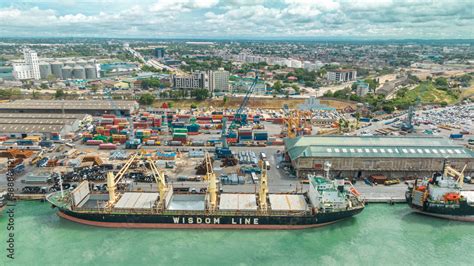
(193, 129)
(116, 138)
(142, 134)
(55, 136)
(86, 136)
(180, 134)
(260, 135)
(245, 134)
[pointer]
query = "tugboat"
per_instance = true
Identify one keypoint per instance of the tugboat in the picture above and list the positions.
(326, 201)
(442, 196)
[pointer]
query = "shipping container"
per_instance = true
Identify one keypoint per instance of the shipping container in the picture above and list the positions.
(107, 146)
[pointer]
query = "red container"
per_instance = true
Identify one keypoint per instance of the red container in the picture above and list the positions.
(107, 146)
(94, 142)
(108, 116)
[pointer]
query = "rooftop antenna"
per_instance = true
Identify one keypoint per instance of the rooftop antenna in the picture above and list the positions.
(327, 168)
(61, 184)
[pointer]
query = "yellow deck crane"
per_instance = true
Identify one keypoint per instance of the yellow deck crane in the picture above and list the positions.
(212, 188)
(114, 180)
(161, 181)
(448, 170)
(263, 189)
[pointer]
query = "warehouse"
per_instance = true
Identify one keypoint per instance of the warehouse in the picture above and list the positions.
(20, 125)
(92, 107)
(360, 157)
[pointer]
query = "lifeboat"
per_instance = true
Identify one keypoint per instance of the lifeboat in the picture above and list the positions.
(452, 197)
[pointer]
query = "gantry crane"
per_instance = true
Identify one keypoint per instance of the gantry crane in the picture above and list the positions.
(263, 189)
(114, 180)
(224, 151)
(212, 187)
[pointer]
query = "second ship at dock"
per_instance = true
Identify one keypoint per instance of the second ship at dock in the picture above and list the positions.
(325, 202)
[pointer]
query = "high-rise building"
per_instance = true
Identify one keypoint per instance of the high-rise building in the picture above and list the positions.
(342, 75)
(194, 81)
(30, 68)
(219, 80)
(159, 52)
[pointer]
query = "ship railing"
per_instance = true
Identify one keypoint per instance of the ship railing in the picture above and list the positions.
(194, 212)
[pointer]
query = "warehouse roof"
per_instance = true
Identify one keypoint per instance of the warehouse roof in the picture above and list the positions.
(19, 128)
(36, 121)
(68, 105)
(43, 116)
(375, 147)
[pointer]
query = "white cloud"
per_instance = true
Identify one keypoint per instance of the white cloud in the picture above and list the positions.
(259, 18)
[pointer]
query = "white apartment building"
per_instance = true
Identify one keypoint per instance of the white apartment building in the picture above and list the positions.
(196, 80)
(29, 69)
(341, 75)
(219, 80)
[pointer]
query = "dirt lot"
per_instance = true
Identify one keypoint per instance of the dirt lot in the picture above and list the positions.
(234, 102)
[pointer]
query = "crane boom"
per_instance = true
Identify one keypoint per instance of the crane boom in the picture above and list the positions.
(113, 180)
(160, 180)
(263, 189)
(244, 102)
(212, 188)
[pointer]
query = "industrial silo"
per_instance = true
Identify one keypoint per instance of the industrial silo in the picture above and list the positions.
(67, 72)
(81, 62)
(56, 69)
(91, 72)
(78, 72)
(70, 63)
(45, 70)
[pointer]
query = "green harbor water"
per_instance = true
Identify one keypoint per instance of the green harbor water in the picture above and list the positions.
(380, 235)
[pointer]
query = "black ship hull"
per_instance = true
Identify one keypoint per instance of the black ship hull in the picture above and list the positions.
(126, 220)
(453, 211)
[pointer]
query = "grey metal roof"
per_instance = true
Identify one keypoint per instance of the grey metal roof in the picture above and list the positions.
(67, 105)
(21, 128)
(375, 147)
(43, 116)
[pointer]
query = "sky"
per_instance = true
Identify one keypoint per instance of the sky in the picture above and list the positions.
(207, 19)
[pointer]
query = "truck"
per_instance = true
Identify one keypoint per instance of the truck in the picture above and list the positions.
(456, 136)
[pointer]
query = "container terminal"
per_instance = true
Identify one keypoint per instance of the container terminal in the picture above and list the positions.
(73, 145)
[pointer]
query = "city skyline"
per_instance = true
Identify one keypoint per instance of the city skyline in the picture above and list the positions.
(285, 19)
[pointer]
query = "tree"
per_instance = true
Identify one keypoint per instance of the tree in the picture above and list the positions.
(354, 86)
(193, 106)
(441, 83)
(94, 88)
(44, 86)
(59, 94)
(225, 99)
(51, 78)
(200, 94)
(277, 86)
(146, 99)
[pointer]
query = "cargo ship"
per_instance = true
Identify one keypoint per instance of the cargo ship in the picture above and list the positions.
(325, 202)
(442, 196)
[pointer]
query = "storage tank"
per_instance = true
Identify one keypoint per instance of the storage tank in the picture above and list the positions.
(78, 72)
(91, 72)
(56, 69)
(81, 62)
(70, 63)
(45, 70)
(67, 72)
